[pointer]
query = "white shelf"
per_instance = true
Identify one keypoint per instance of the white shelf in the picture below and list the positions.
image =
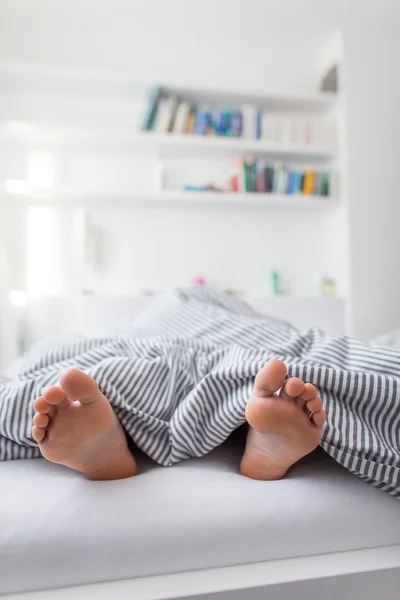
(171, 198)
(111, 140)
(80, 81)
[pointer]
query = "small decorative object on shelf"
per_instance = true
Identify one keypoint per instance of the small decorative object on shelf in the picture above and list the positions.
(329, 82)
(198, 281)
(328, 287)
(275, 283)
(324, 286)
(203, 188)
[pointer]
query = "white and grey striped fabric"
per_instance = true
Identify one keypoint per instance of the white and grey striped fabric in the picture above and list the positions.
(180, 376)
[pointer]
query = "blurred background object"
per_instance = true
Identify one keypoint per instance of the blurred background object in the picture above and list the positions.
(143, 142)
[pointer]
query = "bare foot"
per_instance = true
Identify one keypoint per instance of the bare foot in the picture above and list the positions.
(75, 426)
(283, 428)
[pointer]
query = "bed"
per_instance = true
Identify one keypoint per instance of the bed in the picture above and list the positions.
(197, 530)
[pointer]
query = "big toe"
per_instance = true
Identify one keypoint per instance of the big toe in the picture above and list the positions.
(270, 379)
(79, 386)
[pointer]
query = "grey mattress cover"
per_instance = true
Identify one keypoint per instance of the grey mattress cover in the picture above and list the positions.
(57, 529)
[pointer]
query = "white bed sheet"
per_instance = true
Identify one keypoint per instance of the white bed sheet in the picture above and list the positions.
(57, 529)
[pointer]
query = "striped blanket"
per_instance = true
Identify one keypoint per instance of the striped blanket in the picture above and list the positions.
(180, 374)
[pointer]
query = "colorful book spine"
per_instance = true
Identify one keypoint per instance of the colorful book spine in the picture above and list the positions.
(227, 118)
(325, 184)
(308, 183)
(247, 176)
(258, 118)
(260, 176)
(151, 108)
(161, 121)
(173, 108)
(219, 122)
(270, 176)
(237, 123)
(202, 121)
(241, 173)
(316, 184)
(189, 125)
(181, 117)
(249, 121)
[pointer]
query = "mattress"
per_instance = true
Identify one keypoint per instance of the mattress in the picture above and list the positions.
(57, 529)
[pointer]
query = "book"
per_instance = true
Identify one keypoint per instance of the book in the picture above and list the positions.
(260, 176)
(227, 119)
(246, 169)
(252, 175)
(219, 122)
(240, 174)
(181, 116)
(173, 107)
(296, 182)
(325, 184)
(151, 108)
(249, 122)
(161, 121)
(270, 177)
(190, 120)
(290, 182)
(316, 184)
(201, 121)
(234, 183)
(280, 179)
(308, 182)
(237, 123)
(258, 117)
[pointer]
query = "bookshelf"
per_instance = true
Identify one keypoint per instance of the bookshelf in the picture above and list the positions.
(83, 113)
(159, 144)
(81, 82)
(184, 200)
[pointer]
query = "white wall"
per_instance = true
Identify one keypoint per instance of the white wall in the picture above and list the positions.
(257, 44)
(120, 33)
(373, 132)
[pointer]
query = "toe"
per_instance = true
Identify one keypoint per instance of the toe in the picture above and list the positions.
(319, 418)
(40, 420)
(55, 396)
(38, 433)
(270, 379)
(77, 385)
(41, 406)
(309, 393)
(292, 388)
(314, 405)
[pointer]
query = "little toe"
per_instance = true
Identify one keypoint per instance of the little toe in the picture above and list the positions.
(314, 405)
(319, 418)
(55, 396)
(292, 388)
(38, 433)
(41, 406)
(40, 420)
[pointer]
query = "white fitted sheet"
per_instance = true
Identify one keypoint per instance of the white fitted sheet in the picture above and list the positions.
(57, 529)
